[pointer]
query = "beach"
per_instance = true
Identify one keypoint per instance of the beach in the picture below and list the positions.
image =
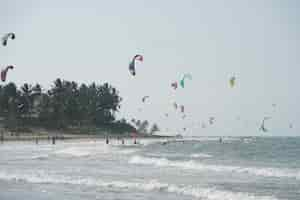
(67, 135)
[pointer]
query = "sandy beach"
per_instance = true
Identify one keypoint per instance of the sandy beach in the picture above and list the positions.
(61, 135)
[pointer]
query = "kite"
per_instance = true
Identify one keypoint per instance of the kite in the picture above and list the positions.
(182, 108)
(174, 85)
(6, 37)
(144, 98)
(132, 63)
(232, 81)
(211, 120)
(262, 126)
(4, 72)
(185, 76)
(175, 105)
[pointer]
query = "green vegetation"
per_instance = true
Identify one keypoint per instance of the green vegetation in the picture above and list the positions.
(143, 126)
(66, 106)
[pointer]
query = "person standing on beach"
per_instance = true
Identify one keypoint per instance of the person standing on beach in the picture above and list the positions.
(134, 138)
(107, 141)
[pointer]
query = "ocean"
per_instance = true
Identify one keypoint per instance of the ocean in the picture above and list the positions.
(239, 168)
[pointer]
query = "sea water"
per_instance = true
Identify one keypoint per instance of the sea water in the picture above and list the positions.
(252, 168)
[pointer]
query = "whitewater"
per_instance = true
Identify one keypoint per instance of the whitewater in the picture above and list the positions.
(198, 168)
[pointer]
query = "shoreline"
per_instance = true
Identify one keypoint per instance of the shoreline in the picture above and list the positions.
(67, 136)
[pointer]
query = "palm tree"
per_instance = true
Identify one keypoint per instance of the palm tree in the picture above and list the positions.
(9, 104)
(154, 129)
(26, 104)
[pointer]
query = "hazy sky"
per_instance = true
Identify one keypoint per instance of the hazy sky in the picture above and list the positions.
(85, 41)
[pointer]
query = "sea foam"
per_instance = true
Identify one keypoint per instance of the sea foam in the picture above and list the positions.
(194, 165)
(200, 155)
(41, 177)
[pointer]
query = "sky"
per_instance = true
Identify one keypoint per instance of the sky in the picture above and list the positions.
(256, 41)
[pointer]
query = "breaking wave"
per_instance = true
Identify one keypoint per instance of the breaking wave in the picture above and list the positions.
(73, 151)
(40, 157)
(200, 155)
(193, 165)
(151, 185)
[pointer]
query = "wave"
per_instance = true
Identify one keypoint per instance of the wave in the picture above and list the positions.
(147, 142)
(140, 142)
(73, 151)
(193, 165)
(40, 157)
(200, 155)
(127, 151)
(85, 151)
(212, 138)
(151, 185)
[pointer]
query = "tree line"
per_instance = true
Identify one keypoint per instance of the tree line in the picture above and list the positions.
(66, 104)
